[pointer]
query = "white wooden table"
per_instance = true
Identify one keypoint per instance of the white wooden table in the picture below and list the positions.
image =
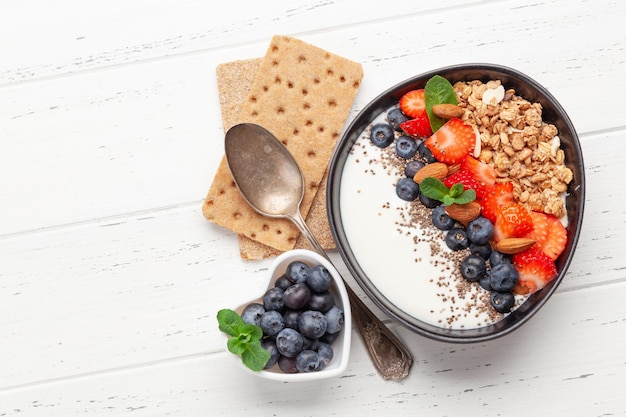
(110, 278)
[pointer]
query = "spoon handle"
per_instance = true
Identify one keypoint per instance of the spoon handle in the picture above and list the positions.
(391, 358)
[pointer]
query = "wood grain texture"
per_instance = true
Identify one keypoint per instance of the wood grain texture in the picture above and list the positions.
(110, 278)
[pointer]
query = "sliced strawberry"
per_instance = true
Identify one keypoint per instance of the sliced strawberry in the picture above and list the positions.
(419, 127)
(512, 220)
(549, 232)
(535, 269)
(481, 171)
(497, 196)
(412, 104)
(467, 179)
(452, 142)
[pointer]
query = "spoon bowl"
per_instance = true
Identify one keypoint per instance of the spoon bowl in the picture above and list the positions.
(271, 181)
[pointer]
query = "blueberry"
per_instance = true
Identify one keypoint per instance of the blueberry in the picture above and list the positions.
(440, 218)
(483, 251)
(273, 299)
(407, 189)
(406, 147)
(287, 365)
(312, 324)
(334, 319)
(325, 354)
(270, 346)
(485, 282)
(289, 342)
(310, 344)
(252, 313)
(456, 239)
(321, 302)
(319, 279)
(297, 271)
(329, 337)
(382, 135)
(412, 167)
(480, 230)
(283, 282)
(395, 117)
(428, 202)
(272, 323)
(502, 302)
(290, 318)
(503, 277)
(425, 153)
(296, 296)
(497, 257)
(473, 268)
(307, 361)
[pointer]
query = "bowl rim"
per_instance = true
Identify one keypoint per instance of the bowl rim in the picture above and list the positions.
(339, 363)
(556, 115)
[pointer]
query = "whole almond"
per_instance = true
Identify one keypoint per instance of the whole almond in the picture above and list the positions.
(448, 111)
(464, 213)
(513, 245)
(437, 170)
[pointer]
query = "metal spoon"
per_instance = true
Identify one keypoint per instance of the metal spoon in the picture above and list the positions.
(271, 181)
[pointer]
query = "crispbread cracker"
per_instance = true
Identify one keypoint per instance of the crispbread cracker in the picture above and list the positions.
(303, 95)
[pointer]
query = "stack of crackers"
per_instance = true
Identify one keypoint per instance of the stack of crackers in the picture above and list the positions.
(303, 95)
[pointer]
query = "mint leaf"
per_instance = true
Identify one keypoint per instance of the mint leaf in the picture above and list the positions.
(255, 357)
(433, 188)
(466, 197)
(438, 90)
(229, 322)
(244, 340)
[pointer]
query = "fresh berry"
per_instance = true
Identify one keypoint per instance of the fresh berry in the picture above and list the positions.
(287, 365)
(297, 271)
(412, 167)
(427, 201)
(334, 319)
(468, 181)
(290, 318)
(252, 313)
(395, 118)
(289, 342)
(480, 231)
(312, 324)
(456, 239)
(283, 282)
(452, 142)
(485, 282)
(419, 128)
(412, 103)
(536, 269)
(307, 361)
(297, 296)
(321, 302)
(503, 277)
(425, 153)
(512, 220)
(407, 189)
(272, 323)
(549, 233)
(406, 147)
(273, 299)
(473, 268)
(270, 345)
(482, 172)
(382, 135)
(484, 251)
(496, 197)
(497, 257)
(440, 218)
(502, 302)
(325, 353)
(319, 279)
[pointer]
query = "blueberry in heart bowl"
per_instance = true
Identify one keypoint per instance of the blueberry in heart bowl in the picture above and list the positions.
(456, 200)
(299, 328)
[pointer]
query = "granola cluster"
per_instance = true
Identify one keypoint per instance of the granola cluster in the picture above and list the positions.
(517, 143)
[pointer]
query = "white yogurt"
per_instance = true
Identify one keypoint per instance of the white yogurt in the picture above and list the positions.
(407, 260)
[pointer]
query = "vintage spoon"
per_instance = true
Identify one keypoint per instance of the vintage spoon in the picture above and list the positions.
(271, 181)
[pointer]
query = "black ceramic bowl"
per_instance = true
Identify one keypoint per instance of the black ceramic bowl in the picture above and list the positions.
(552, 113)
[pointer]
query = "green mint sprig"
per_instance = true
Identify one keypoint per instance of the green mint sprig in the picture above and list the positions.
(433, 188)
(244, 340)
(438, 90)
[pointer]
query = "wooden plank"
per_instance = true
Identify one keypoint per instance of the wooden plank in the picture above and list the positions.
(551, 364)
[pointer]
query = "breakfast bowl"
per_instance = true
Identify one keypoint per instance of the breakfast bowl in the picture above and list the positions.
(337, 336)
(390, 245)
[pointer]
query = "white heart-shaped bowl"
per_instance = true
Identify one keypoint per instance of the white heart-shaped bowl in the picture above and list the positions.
(341, 345)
